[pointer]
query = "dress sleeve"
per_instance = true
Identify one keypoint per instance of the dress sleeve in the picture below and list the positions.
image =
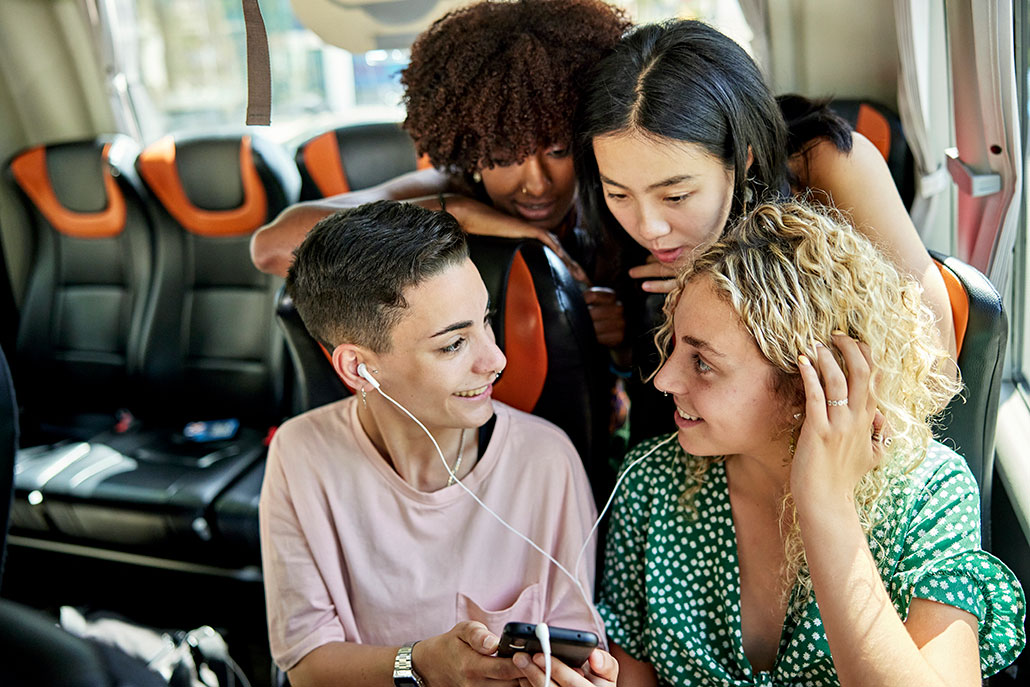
(942, 561)
(301, 614)
(623, 599)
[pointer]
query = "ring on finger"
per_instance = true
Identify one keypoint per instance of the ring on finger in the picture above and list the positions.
(833, 403)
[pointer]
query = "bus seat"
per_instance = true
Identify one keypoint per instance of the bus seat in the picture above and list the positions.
(77, 347)
(208, 351)
(969, 422)
(555, 367)
(211, 347)
(354, 157)
(882, 126)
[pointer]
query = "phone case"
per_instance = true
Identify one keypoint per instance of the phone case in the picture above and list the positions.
(572, 647)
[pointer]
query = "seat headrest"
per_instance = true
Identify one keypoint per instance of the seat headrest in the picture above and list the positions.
(354, 157)
(31, 173)
(158, 167)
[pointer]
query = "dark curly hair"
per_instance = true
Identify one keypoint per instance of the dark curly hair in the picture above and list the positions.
(490, 83)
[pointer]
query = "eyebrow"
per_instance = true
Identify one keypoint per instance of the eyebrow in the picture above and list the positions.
(464, 324)
(701, 344)
(671, 181)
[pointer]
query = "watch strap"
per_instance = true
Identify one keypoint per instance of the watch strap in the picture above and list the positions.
(404, 674)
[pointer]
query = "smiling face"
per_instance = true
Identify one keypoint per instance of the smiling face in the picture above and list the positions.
(539, 190)
(721, 383)
(670, 196)
(443, 361)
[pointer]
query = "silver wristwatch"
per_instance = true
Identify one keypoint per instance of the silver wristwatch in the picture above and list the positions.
(404, 674)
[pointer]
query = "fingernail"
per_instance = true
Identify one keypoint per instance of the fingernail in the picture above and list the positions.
(838, 332)
(803, 360)
(490, 643)
(521, 660)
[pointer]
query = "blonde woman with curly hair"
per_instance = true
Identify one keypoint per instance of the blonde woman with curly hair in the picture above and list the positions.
(802, 526)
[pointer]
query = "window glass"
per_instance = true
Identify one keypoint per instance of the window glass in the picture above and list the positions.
(183, 63)
(187, 60)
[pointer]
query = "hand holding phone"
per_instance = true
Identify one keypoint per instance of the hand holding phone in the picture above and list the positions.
(572, 647)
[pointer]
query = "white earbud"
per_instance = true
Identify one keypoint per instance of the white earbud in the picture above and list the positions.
(363, 371)
(543, 633)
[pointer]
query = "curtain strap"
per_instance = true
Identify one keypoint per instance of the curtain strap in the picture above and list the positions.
(930, 184)
(259, 77)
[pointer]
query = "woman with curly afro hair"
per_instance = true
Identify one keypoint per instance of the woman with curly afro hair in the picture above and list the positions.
(490, 92)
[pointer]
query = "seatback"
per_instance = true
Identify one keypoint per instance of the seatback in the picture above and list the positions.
(92, 261)
(555, 368)
(354, 157)
(210, 347)
(981, 332)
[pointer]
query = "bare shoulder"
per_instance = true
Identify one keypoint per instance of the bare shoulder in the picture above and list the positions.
(824, 168)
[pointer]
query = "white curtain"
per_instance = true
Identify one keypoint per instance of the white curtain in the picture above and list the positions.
(923, 105)
(756, 13)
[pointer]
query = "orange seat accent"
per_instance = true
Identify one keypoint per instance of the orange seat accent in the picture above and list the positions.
(875, 127)
(423, 162)
(157, 165)
(322, 160)
(959, 304)
(30, 171)
(524, 343)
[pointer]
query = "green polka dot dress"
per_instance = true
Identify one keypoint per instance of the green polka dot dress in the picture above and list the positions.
(671, 589)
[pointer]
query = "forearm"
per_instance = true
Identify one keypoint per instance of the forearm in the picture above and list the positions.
(869, 643)
(356, 665)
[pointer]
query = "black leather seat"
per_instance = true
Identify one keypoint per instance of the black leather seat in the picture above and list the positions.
(354, 157)
(78, 353)
(981, 326)
(207, 350)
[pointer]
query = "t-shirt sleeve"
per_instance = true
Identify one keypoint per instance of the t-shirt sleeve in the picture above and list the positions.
(623, 603)
(301, 613)
(942, 561)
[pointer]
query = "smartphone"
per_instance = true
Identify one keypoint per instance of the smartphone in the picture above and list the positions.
(572, 647)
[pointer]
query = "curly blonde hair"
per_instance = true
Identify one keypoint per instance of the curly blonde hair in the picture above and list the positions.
(794, 274)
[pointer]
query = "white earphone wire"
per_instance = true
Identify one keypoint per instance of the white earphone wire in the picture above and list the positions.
(586, 542)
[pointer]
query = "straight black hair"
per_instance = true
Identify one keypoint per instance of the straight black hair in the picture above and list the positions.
(684, 80)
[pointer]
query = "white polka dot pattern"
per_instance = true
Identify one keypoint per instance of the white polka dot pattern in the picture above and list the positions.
(671, 595)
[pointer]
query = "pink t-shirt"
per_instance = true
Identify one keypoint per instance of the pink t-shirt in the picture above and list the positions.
(351, 552)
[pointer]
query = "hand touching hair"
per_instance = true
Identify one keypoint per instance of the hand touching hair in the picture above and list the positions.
(795, 274)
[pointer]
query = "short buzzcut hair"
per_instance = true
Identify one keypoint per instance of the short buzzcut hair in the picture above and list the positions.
(349, 275)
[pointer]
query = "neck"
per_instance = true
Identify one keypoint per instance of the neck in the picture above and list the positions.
(764, 479)
(407, 449)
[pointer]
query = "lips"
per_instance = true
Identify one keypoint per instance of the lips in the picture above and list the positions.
(536, 211)
(669, 256)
